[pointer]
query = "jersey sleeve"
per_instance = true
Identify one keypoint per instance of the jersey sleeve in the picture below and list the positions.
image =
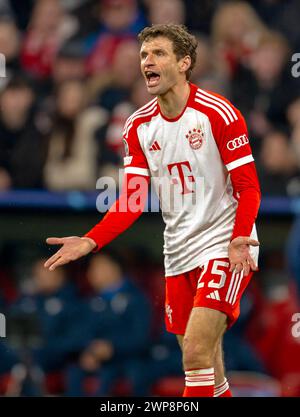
(231, 135)
(123, 213)
(246, 188)
(135, 161)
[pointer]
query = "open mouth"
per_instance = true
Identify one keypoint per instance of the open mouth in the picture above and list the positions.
(152, 78)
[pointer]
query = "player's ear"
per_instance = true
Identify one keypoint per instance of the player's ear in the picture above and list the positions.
(185, 63)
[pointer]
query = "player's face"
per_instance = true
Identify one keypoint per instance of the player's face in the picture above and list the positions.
(159, 65)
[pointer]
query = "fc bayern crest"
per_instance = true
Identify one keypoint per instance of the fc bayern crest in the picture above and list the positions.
(195, 137)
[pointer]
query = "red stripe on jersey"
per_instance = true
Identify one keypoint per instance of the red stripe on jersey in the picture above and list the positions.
(218, 100)
(215, 104)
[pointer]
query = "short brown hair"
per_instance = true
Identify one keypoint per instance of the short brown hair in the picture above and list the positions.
(183, 42)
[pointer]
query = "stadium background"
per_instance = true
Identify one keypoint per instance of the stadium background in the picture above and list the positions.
(72, 79)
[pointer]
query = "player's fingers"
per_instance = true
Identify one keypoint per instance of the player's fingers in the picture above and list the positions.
(55, 240)
(53, 259)
(252, 264)
(246, 268)
(60, 261)
(238, 268)
(252, 242)
(232, 267)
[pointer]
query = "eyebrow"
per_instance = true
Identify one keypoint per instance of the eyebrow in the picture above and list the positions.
(156, 50)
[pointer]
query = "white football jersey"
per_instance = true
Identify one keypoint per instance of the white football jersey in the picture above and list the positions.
(193, 154)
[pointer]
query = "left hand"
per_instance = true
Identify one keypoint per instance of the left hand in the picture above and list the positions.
(239, 255)
(73, 247)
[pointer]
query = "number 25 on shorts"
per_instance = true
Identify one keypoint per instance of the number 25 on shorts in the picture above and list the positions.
(219, 282)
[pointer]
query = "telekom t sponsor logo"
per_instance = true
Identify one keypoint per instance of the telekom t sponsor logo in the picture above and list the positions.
(179, 168)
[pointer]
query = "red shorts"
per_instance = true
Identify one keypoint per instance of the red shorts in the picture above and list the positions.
(211, 286)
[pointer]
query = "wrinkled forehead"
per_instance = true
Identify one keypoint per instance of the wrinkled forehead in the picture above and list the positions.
(159, 42)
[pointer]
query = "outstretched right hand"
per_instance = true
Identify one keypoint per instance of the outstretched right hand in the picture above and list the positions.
(73, 248)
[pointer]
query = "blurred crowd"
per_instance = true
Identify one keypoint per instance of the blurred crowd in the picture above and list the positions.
(97, 328)
(72, 79)
(87, 331)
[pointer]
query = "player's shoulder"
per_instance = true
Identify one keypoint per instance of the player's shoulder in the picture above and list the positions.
(141, 115)
(217, 107)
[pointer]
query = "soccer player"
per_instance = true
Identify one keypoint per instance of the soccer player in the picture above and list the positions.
(199, 141)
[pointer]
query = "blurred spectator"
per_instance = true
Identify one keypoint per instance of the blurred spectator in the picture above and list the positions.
(209, 72)
(71, 5)
(51, 316)
(166, 11)
(87, 14)
(277, 164)
(296, 143)
(21, 11)
(8, 359)
(293, 116)
(236, 31)
(22, 148)
(69, 63)
(199, 14)
(274, 88)
(270, 330)
(292, 252)
(239, 353)
(293, 112)
(122, 81)
(204, 63)
(240, 55)
(147, 273)
(119, 20)
(48, 29)
(72, 155)
(139, 94)
(5, 9)
(293, 243)
(165, 360)
(281, 15)
(10, 44)
(117, 327)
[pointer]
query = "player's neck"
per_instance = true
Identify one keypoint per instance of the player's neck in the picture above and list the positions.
(174, 101)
